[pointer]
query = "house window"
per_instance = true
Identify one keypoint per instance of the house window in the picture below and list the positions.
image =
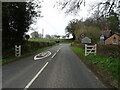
(114, 42)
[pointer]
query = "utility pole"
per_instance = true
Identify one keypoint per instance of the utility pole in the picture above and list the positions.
(42, 33)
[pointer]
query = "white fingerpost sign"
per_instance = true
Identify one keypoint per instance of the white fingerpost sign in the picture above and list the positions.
(17, 50)
(90, 49)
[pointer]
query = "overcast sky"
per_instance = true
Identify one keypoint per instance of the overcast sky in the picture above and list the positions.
(54, 21)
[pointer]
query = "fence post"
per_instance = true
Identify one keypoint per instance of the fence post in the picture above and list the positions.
(85, 49)
(95, 48)
(17, 50)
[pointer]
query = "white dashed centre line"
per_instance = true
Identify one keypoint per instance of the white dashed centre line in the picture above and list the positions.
(29, 84)
(56, 53)
(53, 55)
(58, 49)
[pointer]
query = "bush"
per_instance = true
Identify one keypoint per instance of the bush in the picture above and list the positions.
(29, 46)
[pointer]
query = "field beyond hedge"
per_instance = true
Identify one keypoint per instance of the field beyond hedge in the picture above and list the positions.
(44, 40)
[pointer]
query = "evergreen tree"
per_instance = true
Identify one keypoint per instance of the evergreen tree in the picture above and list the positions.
(114, 22)
(16, 19)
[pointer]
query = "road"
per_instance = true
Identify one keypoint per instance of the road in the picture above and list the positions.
(62, 69)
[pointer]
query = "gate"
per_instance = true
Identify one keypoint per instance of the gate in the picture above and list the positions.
(90, 49)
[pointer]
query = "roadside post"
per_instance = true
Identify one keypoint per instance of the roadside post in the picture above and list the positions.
(17, 50)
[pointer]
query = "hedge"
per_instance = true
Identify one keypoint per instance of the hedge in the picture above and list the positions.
(28, 46)
(105, 50)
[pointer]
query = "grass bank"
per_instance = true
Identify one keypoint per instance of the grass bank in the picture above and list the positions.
(108, 65)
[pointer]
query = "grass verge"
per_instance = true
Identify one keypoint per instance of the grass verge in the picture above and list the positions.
(107, 67)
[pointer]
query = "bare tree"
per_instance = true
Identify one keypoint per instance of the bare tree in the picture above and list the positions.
(103, 10)
(73, 6)
(70, 6)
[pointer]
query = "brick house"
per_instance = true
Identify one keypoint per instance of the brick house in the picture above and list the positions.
(113, 39)
(108, 37)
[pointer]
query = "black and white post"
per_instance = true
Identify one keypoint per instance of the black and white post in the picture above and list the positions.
(17, 50)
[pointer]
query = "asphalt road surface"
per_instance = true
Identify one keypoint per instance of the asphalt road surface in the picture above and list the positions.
(62, 69)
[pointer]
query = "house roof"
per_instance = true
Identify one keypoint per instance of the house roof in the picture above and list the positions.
(112, 35)
(117, 34)
(86, 38)
(107, 33)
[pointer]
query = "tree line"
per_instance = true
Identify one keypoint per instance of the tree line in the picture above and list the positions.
(16, 20)
(18, 16)
(36, 35)
(105, 13)
(92, 26)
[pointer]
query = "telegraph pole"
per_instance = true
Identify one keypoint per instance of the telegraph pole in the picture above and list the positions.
(42, 33)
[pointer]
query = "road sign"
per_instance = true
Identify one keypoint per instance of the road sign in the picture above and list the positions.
(82, 35)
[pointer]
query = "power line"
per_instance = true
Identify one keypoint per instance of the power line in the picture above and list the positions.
(50, 24)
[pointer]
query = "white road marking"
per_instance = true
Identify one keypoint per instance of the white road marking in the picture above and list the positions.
(29, 84)
(53, 55)
(48, 54)
(56, 53)
(58, 50)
